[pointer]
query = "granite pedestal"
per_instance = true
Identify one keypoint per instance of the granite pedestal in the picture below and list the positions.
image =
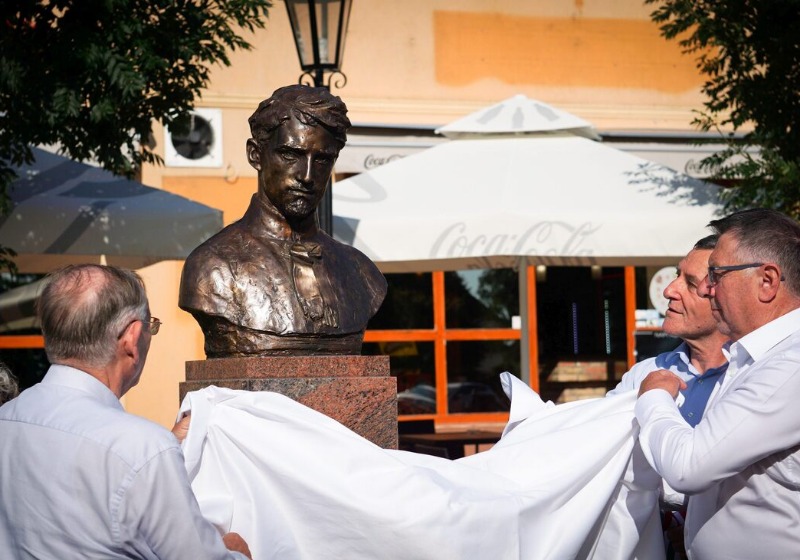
(356, 391)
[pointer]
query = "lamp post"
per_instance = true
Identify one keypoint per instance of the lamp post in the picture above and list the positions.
(319, 28)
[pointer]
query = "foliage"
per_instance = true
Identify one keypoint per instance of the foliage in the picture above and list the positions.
(91, 76)
(749, 53)
(499, 291)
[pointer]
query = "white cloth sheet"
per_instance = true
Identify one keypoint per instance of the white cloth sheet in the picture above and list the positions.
(565, 481)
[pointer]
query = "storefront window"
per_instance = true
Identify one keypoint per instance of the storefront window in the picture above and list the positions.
(484, 299)
(462, 329)
(581, 331)
(412, 364)
(473, 374)
(408, 303)
(17, 321)
(466, 344)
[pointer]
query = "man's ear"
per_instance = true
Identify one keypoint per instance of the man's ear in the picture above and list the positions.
(253, 154)
(769, 282)
(128, 343)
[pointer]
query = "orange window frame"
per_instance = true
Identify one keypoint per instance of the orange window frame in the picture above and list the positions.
(439, 334)
(21, 341)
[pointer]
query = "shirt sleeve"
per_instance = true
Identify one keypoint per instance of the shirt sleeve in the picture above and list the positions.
(633, 377)
(752, 420)
(159, 516)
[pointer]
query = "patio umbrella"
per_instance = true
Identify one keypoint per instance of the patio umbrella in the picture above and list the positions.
(68, 212)
(521, 181)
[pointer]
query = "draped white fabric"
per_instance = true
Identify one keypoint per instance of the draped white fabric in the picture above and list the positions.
(565, 481)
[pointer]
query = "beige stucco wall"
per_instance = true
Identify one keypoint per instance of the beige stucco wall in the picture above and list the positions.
(425, 62)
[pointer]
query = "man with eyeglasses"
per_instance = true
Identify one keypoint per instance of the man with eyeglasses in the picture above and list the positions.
(80, 478)
(740, 466)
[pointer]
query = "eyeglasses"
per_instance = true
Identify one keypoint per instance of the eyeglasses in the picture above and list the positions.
(153, 325)
(714, 271)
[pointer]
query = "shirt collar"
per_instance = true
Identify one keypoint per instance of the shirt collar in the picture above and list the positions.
(761, 340)
(681, 354)
(66, 376)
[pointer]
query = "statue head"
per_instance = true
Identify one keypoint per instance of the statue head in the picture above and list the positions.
(296, 137)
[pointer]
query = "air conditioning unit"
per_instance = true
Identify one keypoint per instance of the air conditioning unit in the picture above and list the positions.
(200, 146)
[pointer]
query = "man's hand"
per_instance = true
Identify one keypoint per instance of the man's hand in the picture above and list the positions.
(235, 542)
(180, 429)
(662, 379)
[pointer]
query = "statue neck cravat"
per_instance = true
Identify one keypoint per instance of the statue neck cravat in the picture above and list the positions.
(304, 255)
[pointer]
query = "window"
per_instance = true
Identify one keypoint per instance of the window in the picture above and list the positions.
(582, 331)
(21, 342)
(450, 335)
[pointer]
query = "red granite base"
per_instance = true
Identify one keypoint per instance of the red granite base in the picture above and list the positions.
(356, 391)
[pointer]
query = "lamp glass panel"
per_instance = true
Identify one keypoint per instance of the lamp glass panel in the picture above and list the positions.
(344, 17)
(330, 15)
(300, 18)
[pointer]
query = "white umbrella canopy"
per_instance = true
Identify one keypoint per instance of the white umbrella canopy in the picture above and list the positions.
(65, 212)
(518, 115)
(547, 198)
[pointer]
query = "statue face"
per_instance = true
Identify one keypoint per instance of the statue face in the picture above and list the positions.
(294, 167)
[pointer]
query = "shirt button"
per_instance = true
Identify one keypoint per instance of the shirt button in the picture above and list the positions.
(700, 381)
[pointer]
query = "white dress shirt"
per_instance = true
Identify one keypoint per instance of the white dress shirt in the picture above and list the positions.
(80, 478)
(741, 463)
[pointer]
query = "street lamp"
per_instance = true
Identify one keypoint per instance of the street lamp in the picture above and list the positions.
(319, 28)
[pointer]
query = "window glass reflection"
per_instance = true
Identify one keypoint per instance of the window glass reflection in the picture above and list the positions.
(581, 331)
(474, 369)
(413, 366)
(481, 298)
(408, 303)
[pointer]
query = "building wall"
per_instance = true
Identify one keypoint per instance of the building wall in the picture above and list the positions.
(424, 63)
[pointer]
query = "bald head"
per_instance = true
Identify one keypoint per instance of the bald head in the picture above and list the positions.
(84, 308)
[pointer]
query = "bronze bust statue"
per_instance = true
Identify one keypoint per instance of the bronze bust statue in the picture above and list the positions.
(272, 283)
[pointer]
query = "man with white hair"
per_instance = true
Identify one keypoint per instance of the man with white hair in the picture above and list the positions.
(698, 360)
(8, 384)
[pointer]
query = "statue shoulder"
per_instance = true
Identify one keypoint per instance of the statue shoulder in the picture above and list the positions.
(217, 248)
(367, 265)
(207, 270)
(370, 275)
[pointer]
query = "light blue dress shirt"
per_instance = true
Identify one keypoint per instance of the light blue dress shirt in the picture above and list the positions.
(699, 385)
(80, 478)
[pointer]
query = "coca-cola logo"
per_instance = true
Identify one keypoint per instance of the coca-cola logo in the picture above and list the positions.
(372, 161)
(543, 239)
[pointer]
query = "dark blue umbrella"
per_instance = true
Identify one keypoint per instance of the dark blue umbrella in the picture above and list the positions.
(68, 212)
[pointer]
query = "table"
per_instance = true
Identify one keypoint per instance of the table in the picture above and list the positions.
(452, 442)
